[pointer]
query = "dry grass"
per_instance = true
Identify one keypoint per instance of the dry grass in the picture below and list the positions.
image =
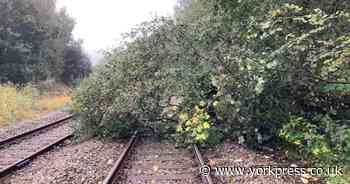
(26, 103)
(15, 103)
(53, 103)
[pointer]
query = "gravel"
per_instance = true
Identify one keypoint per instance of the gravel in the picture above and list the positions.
(156, 162)
(234, 155)
(88, 162)
(25, 147)
(20, 127)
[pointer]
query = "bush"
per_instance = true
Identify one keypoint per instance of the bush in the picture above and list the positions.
(305, 137)
(344, 145)
(320, 140)
(116, 129)
(216, 136)
(194, 129)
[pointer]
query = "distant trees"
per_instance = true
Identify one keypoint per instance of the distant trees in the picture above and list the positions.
(33, 40)
(76, 64)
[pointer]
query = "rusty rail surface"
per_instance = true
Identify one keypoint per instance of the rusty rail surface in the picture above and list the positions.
(109, 179)
(206, 178)
(23, 162)
(10, 139)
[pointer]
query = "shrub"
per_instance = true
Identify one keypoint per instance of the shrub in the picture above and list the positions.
(116, 129)
(345, 145)
(305, 137)
(216, 136)
(198, 128)
(320, 140)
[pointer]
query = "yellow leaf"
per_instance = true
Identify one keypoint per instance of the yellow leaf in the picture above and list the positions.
(183, 116)
(206, 125)
(276, 13)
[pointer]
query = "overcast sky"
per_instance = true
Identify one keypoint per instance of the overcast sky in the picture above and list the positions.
(100, 22)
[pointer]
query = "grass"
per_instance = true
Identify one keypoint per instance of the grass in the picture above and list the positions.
(28, 102)
(52, 103)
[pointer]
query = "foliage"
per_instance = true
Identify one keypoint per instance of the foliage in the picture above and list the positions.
(305, 137)
(195, 129)
(321, 141)
(116, 129)
(263, 70)
(143, 78)
(345, 145)
(33, 40)
(76, 64)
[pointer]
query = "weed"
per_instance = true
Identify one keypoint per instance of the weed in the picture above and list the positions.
(23, 102)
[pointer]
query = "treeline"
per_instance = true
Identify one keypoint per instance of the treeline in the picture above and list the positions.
(36, 43)
(264, 72)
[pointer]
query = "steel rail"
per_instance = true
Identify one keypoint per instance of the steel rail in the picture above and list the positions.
(110, 178)
(10, 139)
(206, 178)
(23, 162)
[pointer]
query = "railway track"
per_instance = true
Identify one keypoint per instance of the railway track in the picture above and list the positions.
(148, 162)
(20, 149)
(144, 161)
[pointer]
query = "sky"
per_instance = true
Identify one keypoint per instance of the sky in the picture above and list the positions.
(101, 22)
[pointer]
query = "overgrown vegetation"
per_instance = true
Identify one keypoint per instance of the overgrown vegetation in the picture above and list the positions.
(15, 103)
(28, 102)
(270, 72)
